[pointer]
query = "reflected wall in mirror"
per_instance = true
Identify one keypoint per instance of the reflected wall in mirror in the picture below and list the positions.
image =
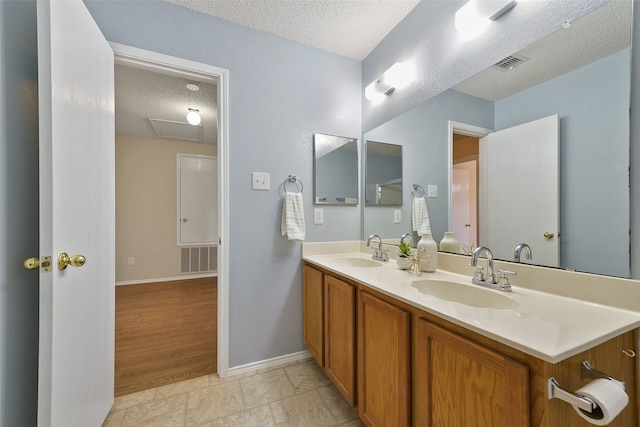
(335, 163)
(582, 74)
(383, 168)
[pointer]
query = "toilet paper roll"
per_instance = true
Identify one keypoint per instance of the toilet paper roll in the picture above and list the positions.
(608, 395)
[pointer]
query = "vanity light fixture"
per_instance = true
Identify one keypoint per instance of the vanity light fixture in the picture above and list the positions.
(475, 16)
(397, 76)
(193, 116)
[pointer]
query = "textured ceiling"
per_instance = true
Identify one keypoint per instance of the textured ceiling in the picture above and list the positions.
(142, 95)
(351, 28)
(336, 26)
(595, 36)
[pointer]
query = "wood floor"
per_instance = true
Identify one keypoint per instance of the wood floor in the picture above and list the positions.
(165, 332)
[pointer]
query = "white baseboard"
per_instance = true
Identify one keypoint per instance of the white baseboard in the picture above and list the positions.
(167, 279)
(269, 363)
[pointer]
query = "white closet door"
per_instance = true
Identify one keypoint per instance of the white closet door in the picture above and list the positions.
(197, 200)
(523, 190)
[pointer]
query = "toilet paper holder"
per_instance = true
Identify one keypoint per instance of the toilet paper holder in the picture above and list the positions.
(584, 403)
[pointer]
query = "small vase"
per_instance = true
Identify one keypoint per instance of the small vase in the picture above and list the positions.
(403, 262)
(428, 253)
(449, 243)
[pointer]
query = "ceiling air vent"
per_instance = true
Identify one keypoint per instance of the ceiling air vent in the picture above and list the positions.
(510, 62)
(168, 129)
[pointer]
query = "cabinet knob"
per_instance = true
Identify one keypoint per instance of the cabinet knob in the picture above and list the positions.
(629, 353)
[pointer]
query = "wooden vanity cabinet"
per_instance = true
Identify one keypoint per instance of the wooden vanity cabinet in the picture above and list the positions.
(313, 312)
(384, 371)
(461, 383)
(415, 368)
(339, 336)
(329, 324)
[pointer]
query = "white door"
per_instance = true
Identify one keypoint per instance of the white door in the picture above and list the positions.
(464, 202)
(522, 190)
(77, 196)
(197, 200)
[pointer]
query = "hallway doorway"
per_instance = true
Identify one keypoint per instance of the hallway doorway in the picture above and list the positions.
(171, 297)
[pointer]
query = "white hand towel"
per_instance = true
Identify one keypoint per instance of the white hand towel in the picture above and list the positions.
(420, 216)
(292, 224)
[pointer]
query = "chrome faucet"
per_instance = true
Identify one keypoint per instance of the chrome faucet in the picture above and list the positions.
(518, 251)
(404, 236)
(378, 254)
(490, 280)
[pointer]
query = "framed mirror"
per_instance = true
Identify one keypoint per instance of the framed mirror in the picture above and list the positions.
(589, 90)
(335, 166)
(383, 168)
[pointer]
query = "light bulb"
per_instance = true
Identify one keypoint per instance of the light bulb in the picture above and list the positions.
(193, 117)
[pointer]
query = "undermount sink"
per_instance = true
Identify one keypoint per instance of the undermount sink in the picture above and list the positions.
(471, 295)
(359, 262)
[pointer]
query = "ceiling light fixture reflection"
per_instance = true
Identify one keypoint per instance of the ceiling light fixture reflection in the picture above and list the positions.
(475, 16)
(193, 116)
(398, 76)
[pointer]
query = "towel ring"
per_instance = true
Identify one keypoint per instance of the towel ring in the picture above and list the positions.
(417, 187)
(292, 179)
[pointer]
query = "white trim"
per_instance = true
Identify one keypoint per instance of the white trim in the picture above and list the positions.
(158, 62)
(469, 130)
(166, 279)
(269, 363)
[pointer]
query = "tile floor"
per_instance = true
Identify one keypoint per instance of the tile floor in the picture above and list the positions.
(296, 394)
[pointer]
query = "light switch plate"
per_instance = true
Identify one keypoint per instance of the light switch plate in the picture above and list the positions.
(397, 216)
(432, 191)
(318, 216)
(261, 180)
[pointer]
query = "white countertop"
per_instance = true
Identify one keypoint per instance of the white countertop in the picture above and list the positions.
(544, 325)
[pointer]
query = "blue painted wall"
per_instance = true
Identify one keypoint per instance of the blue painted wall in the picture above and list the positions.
(280, 94)
(18, 213)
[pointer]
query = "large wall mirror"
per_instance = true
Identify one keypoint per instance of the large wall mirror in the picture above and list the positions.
(582, 75)
(335, 162)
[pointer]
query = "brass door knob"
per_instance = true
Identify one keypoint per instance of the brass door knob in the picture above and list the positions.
(548, 235)
(75, 261)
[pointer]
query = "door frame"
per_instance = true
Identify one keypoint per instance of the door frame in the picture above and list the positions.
(480, 133)
(154, 61)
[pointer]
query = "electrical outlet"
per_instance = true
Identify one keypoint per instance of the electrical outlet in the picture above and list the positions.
(318, 216)
(261, 180)
(131, 260)
(397, 216)
(432, 191)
